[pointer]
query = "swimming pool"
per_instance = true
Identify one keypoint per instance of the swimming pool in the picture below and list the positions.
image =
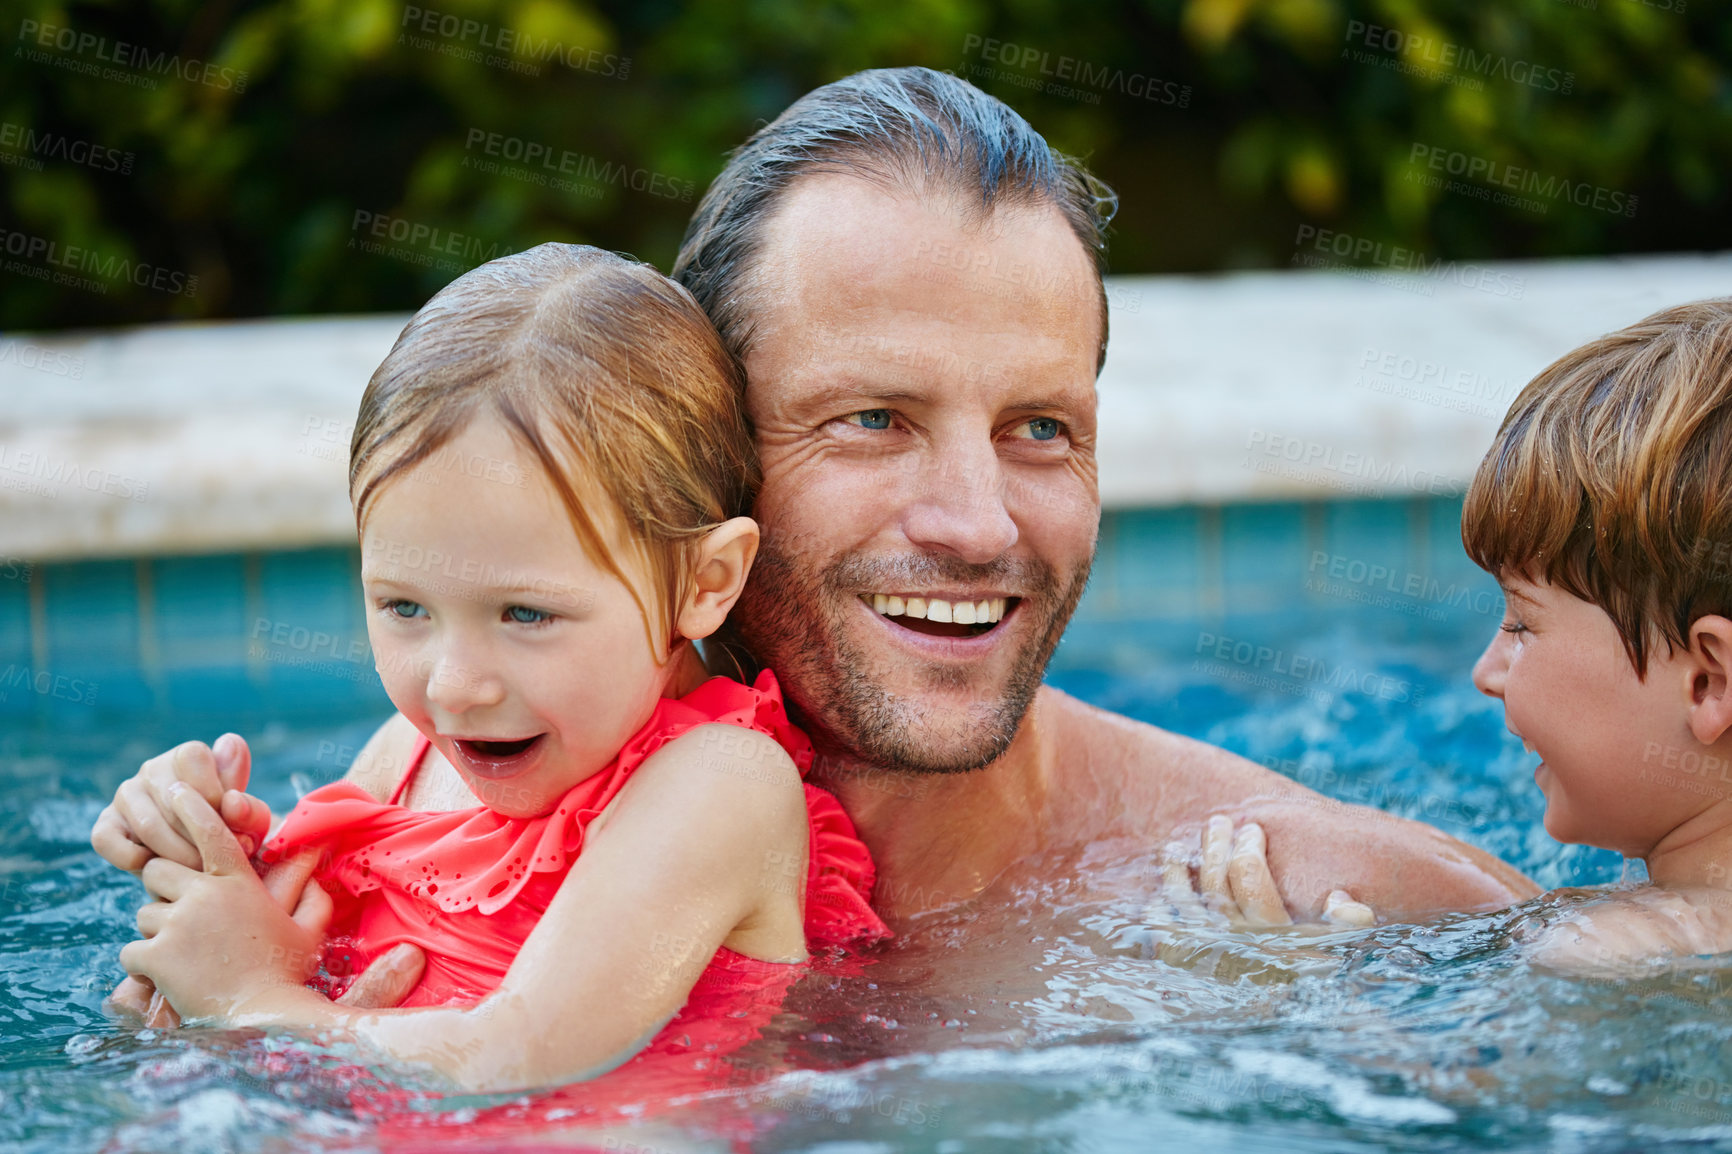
(1330, 641)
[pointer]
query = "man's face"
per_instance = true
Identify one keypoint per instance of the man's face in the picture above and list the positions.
(922, 390)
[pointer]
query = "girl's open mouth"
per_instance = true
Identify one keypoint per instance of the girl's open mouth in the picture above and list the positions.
(491, 758)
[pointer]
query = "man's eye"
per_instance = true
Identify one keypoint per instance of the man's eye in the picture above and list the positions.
(405, 609)
(1513, 627)
(524, 615)
(870, 418)
(1042, 428)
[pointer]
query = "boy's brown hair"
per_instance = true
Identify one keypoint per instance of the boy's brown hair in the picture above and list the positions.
(606, 371)
(1611, 478)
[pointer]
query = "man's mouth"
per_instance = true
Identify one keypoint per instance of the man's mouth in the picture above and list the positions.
(496, 757)
(942, 617)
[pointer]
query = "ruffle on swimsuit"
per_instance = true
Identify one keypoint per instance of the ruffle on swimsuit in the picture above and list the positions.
(468, 886)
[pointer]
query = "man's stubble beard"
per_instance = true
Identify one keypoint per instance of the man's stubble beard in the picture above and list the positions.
(793, 620)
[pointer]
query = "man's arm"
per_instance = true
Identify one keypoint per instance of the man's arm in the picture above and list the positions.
(1159, 782)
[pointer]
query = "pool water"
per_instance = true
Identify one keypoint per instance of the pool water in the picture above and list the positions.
(1111, 1030)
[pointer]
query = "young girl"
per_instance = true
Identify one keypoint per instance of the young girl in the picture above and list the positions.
(546, 473)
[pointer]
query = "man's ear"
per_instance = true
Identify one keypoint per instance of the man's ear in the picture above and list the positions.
(720, 563)
(1709, 669)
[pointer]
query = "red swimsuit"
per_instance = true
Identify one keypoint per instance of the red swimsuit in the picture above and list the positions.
(469, 886)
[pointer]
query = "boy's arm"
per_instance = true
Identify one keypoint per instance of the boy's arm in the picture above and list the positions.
(688, 858)
(1624, 930)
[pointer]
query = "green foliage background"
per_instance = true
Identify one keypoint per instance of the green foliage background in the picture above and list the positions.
(255, 192)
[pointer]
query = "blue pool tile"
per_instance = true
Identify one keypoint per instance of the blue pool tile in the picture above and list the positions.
(15, 579)
(92, 609)
(1158, 565)
(1378, 533)
(1264, 552)
(200, 613)
(312, 588)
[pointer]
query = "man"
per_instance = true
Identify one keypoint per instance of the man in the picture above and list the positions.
(911, 278)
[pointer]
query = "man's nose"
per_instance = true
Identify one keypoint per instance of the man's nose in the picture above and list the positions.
(1493, 666)
(958, 504)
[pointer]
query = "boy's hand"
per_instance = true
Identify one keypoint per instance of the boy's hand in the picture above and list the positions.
(141, 824)
(1234, 881)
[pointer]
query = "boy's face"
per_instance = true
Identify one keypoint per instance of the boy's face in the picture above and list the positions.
(1572, 695)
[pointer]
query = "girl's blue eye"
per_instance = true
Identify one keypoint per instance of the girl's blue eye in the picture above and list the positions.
(524, 615)
(1513, 627)
(405, 609)
(871, 418)
(1043, 428)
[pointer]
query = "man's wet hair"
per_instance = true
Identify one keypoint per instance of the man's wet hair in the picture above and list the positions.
(907, 129)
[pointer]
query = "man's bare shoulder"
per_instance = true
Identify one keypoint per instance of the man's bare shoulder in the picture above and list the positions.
(1157, 784)
(1172, 777)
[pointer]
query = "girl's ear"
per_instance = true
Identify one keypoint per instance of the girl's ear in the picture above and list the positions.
(721, 561)
(1709, 669)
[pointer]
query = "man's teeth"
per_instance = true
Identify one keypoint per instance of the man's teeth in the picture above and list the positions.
(936, 609)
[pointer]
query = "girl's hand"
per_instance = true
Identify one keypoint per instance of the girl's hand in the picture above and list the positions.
(217, 938)
(140, 824)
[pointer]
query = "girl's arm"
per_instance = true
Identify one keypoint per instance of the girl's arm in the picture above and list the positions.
(688, 858)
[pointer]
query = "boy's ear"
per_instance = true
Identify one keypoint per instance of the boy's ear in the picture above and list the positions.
(720, 563)
(1709, 669)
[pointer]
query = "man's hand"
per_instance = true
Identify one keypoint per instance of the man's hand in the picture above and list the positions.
(382, 985)
(140, 824)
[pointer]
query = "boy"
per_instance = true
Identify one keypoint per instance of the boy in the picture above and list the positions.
(1604, 509)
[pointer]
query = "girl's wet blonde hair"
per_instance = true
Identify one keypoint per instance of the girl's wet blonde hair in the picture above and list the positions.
(606, 371)
(1611, 477)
